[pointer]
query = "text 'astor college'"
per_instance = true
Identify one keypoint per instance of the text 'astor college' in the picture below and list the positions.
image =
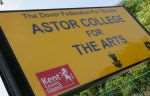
(54, 26)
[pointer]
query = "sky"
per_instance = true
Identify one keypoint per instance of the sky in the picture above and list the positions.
(3, 91)
(45, 4)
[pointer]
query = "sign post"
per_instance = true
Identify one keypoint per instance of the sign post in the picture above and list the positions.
(50, 52)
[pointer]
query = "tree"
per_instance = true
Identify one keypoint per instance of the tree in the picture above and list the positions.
(140, 9)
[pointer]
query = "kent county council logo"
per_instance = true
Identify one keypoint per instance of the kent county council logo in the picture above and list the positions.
(57, 80)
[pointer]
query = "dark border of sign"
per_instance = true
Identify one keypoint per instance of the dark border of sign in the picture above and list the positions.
(16, 70)
(7, 86)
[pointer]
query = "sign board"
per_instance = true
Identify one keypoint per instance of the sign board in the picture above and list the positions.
(58, 50)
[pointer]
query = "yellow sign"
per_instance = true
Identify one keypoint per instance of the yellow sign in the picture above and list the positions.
(59, 50)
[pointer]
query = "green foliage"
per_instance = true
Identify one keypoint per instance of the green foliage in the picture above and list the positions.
(133, 5)
(141, 9)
